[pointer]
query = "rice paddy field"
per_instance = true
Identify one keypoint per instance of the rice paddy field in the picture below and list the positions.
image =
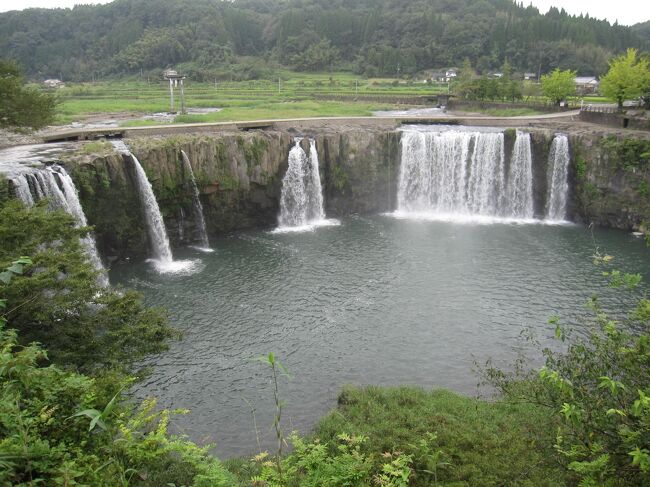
(291, 95)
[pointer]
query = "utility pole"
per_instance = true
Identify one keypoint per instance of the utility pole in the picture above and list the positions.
(171, 95)
(183, 110)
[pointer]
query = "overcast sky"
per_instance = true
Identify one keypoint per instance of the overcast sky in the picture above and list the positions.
(627, 12)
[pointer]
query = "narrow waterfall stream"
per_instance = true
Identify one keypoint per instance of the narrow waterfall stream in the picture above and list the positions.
(162, 254)
(74, 208)
(22, 189)
(315, 211)
(558, 186)
(301, 201)
(198, 207)
(519, 193)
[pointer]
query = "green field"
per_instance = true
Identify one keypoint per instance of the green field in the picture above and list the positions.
(293, 95)
(507, 112)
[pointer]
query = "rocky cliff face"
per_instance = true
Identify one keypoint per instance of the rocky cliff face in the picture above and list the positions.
(361, 171)
(610, 180)
(239, 176)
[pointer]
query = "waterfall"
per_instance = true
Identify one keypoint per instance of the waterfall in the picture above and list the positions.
(64, 198)
(162, 252)
(461, 175)
(155, 224)
(49, 188)
(73, 206)
(558, 186)
(22, 190)
(486, 170)
(301, 201)
(198, 207)
(519, 193)
(314, 189)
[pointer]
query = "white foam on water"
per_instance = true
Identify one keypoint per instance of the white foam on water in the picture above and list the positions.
(177, 267)
(309, 227)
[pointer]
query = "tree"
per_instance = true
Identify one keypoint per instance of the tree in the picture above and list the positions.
(558, 85)
(22, 106)
(58, 302)
(597, 388)
(626, 79)
(63, 428)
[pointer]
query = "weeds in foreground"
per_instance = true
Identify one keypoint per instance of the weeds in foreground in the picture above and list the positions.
(276, 369)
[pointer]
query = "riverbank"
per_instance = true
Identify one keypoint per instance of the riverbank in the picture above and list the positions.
(411, 436)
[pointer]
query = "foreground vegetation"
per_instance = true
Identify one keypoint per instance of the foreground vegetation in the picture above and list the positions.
(64, 419)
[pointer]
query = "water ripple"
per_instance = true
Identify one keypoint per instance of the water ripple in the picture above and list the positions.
(373, 301)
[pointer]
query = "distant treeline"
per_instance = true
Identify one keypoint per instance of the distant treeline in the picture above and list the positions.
(246, 39)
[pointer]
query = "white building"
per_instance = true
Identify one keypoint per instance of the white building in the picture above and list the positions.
(54, 83)
(586, 85)
(451, 74)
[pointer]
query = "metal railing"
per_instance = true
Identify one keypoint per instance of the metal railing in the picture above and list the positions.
(599, 108)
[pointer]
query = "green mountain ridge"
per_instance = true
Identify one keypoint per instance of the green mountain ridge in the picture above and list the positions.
(247, 39)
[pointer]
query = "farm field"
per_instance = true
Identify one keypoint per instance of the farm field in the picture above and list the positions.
(294, 95)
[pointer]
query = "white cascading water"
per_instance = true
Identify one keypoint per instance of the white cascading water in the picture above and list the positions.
(314, 188)
(519, 192)
(46, 186)
(162, 260)
(458, 175)
(558, 185)
(74, 208)
(155, 225)
(198, 207)
(23, 192)
(301, 201)
(50, 189)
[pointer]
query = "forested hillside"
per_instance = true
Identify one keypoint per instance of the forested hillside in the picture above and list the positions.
(245, 39)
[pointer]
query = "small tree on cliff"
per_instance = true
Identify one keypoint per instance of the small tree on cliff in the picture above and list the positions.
(559, 85)
(57, 301)
(627, 78)
(22, 106)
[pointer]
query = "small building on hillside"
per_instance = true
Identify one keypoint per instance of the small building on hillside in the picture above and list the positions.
(586, 85)
(530, 76)
(439, 75)
(451, 74)
(53, 83)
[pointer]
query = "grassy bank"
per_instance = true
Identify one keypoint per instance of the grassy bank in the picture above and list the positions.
(507, 112)
(426, 437)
